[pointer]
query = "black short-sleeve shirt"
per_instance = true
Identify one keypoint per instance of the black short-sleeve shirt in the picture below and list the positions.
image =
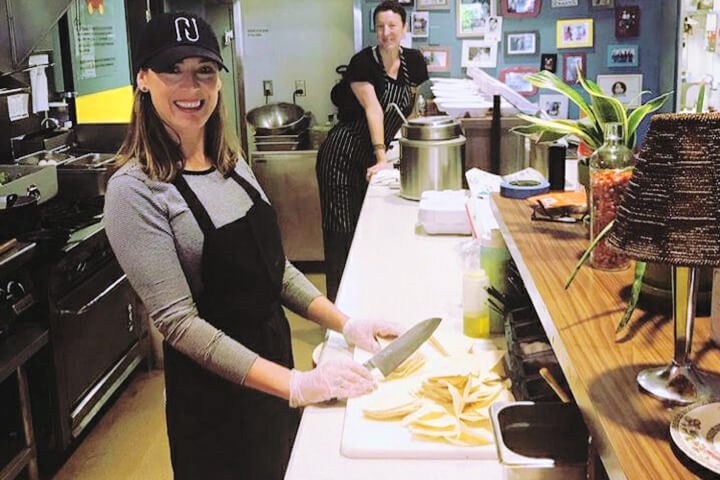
(364, 67)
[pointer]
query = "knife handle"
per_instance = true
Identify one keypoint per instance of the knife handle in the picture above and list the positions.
(369, 364)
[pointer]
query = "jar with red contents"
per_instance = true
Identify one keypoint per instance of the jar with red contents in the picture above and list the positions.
(611, 168)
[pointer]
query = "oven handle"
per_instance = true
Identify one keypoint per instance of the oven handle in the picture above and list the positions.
(95, 300)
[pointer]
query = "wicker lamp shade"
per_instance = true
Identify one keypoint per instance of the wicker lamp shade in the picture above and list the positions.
(671, 209)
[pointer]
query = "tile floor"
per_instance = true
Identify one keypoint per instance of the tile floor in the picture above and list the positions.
(129, 442)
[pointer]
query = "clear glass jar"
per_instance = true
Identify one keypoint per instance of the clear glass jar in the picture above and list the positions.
(611, 168)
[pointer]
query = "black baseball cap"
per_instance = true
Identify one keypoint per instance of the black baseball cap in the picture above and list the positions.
(168, 38)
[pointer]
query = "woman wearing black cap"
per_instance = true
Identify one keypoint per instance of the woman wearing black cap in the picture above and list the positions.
(199, 242)
(355, 148)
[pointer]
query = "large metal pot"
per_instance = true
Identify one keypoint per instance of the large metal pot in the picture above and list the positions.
(430, 165)
(431, 156)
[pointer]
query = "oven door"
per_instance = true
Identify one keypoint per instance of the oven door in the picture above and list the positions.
(97, 329)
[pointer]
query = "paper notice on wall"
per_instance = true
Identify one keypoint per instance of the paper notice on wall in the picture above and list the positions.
(18, 106)
(407, 40)
(39, 88)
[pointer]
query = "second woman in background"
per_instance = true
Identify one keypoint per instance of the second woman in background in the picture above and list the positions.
(355, 148)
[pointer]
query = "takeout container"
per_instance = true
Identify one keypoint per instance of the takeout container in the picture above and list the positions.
(540, 441)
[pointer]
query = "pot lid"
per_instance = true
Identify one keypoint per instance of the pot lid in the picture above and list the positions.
(433, 121)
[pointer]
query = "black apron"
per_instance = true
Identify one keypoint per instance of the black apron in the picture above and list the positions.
(218, 429)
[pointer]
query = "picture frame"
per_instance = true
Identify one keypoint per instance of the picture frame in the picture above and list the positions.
(555, 106)
(574, 33)
(623, 56)
(371, 20)
(479, 53)
(548, 62)
(571, 62)
(626, 88)
(513, 77)
(600, 4)
(433, 4)
(436, 58)
(420, 24)
(494, 29)
(472, 17)
(564, 3)
(520, 8)
(627, 21)
(406, 3)
(522, 43)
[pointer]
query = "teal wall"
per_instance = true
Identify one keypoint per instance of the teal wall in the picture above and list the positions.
(657, 40)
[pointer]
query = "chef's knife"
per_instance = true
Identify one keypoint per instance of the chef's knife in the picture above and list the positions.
(387, 359)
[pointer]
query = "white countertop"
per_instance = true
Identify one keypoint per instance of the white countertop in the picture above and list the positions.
(397, 272)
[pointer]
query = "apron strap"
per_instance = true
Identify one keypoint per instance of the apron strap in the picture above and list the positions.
(196, 207)
(247, 186)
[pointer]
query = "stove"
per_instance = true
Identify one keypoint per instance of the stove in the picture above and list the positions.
(97, 325)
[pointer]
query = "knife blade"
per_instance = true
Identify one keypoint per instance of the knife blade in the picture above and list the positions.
(387, 359)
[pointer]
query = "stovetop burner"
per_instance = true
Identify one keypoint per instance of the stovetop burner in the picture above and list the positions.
(71, 214)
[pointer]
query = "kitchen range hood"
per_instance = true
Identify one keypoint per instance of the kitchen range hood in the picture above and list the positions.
(23, 25)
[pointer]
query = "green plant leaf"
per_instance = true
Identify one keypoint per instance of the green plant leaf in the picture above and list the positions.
(550, 81)
(700, 99)
(564, 127)
(607, 108)
(637, 115)
(589, 250)
(634, 295)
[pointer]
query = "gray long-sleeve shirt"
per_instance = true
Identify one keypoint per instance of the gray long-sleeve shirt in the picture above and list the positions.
(158, 243)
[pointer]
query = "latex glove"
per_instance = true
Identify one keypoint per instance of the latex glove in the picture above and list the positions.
(362, 333)
(337, 379)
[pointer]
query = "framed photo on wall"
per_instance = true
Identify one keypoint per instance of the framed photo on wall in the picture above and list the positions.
(436, 58)
(420, 23)
(564, 3)
(433, 4)
(406, 3)
(574, 33)
(371, 20)
(520, 8)
(521, 43)
(572, 62)
(479, 53)
(602, 3)
(623, 56)
(514, 77)
(548, 61)
(626, 88)
(472, 17)
(494, 29)
(627, 21)
(554, 106)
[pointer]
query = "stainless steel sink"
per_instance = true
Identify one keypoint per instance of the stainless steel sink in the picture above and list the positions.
(522, 430)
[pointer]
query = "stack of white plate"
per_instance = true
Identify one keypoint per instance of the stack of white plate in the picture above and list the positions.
(460, 97)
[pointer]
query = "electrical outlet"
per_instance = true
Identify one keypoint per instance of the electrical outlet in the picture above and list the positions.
(267, 88)
(300, 88)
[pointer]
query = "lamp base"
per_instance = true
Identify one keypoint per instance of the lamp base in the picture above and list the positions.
(677, 383)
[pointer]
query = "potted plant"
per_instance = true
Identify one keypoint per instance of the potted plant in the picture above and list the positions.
(588, 133)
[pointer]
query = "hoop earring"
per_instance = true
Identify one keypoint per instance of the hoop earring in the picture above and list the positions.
(144, 89)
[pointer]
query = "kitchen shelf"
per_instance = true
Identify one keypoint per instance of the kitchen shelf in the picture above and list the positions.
(629, 428)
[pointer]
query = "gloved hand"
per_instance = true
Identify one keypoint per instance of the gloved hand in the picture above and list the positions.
(362, 333)
(337, 379)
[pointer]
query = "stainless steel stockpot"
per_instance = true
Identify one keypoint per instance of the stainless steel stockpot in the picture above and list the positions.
(430, 165)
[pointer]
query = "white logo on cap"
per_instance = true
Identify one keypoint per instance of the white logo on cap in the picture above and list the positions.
(191, 34)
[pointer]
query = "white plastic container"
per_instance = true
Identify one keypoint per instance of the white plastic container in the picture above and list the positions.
(443, 212)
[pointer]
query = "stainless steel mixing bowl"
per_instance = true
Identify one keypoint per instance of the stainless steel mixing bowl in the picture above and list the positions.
(278, 119)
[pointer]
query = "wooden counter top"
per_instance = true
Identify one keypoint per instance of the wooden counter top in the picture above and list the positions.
(629, 427)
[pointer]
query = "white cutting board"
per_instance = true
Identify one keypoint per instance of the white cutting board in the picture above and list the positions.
(366, 438)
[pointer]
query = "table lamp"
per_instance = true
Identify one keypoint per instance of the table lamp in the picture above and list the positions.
(670, 214)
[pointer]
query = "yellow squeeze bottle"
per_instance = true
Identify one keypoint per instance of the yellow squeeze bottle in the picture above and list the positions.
(476, 314)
